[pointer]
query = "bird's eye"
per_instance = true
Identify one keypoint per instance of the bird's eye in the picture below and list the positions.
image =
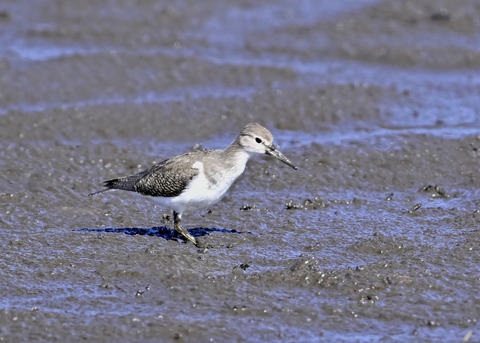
(258, 140)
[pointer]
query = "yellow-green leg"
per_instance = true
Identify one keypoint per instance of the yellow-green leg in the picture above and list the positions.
(177, 219)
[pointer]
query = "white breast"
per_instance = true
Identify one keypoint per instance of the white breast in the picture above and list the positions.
(205, 190)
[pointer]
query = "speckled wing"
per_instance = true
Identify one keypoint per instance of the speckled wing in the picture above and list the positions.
(166, 179)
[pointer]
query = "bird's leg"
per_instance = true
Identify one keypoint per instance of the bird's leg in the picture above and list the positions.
(177, 219)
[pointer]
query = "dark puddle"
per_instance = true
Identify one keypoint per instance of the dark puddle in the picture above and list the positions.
(160, 231)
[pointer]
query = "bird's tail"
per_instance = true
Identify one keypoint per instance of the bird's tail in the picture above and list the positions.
(126, 183)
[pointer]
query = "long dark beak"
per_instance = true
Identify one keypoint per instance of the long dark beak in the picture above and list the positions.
(272, 151)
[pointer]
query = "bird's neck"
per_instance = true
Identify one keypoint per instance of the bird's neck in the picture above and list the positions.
(236, 155)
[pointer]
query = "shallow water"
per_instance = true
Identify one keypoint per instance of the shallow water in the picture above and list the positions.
(375, 238)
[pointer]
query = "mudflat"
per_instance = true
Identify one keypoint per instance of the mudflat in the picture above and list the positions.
(375, 238)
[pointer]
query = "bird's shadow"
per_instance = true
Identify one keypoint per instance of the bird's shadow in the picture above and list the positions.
(160, 231)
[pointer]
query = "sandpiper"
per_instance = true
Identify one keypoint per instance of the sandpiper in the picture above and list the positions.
(198, 179)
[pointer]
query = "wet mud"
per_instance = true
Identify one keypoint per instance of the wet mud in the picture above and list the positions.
(375, 238)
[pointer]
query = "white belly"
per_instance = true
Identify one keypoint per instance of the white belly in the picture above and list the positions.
(202, 192)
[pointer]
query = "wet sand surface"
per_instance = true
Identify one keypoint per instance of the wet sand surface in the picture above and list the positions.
(375, 238)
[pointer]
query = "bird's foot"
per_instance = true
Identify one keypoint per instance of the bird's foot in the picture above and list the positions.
(185, 233)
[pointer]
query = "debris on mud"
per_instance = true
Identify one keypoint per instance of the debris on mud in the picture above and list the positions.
(435, 192)
(307, 204)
